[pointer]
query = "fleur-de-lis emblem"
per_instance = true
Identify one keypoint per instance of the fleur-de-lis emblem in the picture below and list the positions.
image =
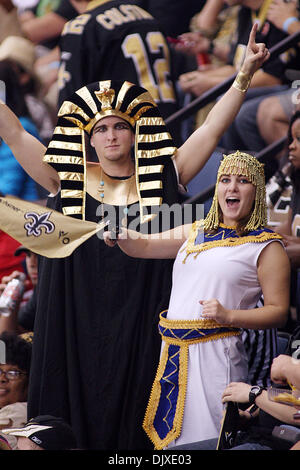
(38, 221)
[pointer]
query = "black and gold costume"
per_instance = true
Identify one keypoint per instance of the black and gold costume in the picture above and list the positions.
(96, 340)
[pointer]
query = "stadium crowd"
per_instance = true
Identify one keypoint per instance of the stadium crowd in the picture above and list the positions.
(85, 363)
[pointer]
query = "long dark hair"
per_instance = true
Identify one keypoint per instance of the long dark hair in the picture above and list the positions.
(295, 174)
(15, 99)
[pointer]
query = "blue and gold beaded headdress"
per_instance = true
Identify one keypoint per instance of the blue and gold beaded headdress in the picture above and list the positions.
(77, 117)
(240, 163)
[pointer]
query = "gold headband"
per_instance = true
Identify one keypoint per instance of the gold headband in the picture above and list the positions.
(240, 163)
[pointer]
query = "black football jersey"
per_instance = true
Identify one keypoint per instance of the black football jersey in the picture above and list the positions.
(116, 40)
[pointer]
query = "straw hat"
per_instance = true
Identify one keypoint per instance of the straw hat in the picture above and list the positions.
(20, 50)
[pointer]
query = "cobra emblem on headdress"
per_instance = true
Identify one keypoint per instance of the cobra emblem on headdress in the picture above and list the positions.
(106, 98)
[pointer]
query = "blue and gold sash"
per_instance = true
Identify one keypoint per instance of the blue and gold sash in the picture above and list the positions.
(164, 414)
(199, 240)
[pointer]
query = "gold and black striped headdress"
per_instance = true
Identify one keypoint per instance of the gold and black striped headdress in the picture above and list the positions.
(77, 117)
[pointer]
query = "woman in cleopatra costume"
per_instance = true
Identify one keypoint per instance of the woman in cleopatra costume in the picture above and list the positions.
(225, 263)
(96, 343)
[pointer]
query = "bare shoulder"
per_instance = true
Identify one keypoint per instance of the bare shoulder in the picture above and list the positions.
(274, 255)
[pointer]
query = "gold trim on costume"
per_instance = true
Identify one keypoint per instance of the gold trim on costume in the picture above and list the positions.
(145, 170)
(205, 323)
(67, 130)
(109, 112)
(63, 159)
(122, 93)
(117, 192)
(151, 410)
(57, 144)
(155, 153)
(71, 210)
(151, 185)
(85, 94)
(230, 241)
(71, 108)
(141, 111)
(84, 173)
(143, 98)
(67, 175)
(152, 121)
(151, 201)
(106, 98)
(155, 396)
(242, 81)
(71, 193)
(110, 98)
(149, 138)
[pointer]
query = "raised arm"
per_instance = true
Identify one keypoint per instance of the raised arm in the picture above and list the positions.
(27, 150)
(194, 153)
(159, 245)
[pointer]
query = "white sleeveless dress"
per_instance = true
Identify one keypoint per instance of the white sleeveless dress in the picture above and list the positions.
(228, 274)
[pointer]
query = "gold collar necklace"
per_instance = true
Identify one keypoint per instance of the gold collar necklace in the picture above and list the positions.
(125, 187)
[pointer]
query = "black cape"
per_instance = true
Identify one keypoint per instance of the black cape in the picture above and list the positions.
(96, 343)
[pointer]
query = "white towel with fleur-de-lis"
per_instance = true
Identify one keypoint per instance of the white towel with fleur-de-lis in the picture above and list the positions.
(43, 230)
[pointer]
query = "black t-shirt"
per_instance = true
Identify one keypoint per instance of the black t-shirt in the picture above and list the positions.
(270, 35)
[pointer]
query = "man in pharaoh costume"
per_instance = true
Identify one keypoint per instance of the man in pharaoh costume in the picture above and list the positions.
(96, 343)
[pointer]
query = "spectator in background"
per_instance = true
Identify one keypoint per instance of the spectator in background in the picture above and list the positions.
(290, 229)
(44, 23)
(274, 113)
(271, 74)
(43, 26)
(265, 119)
(13, 179)
(44, 433)
(268, 80)
(119, 40)
(18, 57)
(22, 318)
(9, 20)
(204, 37)
(286, 370)
(14, 376)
